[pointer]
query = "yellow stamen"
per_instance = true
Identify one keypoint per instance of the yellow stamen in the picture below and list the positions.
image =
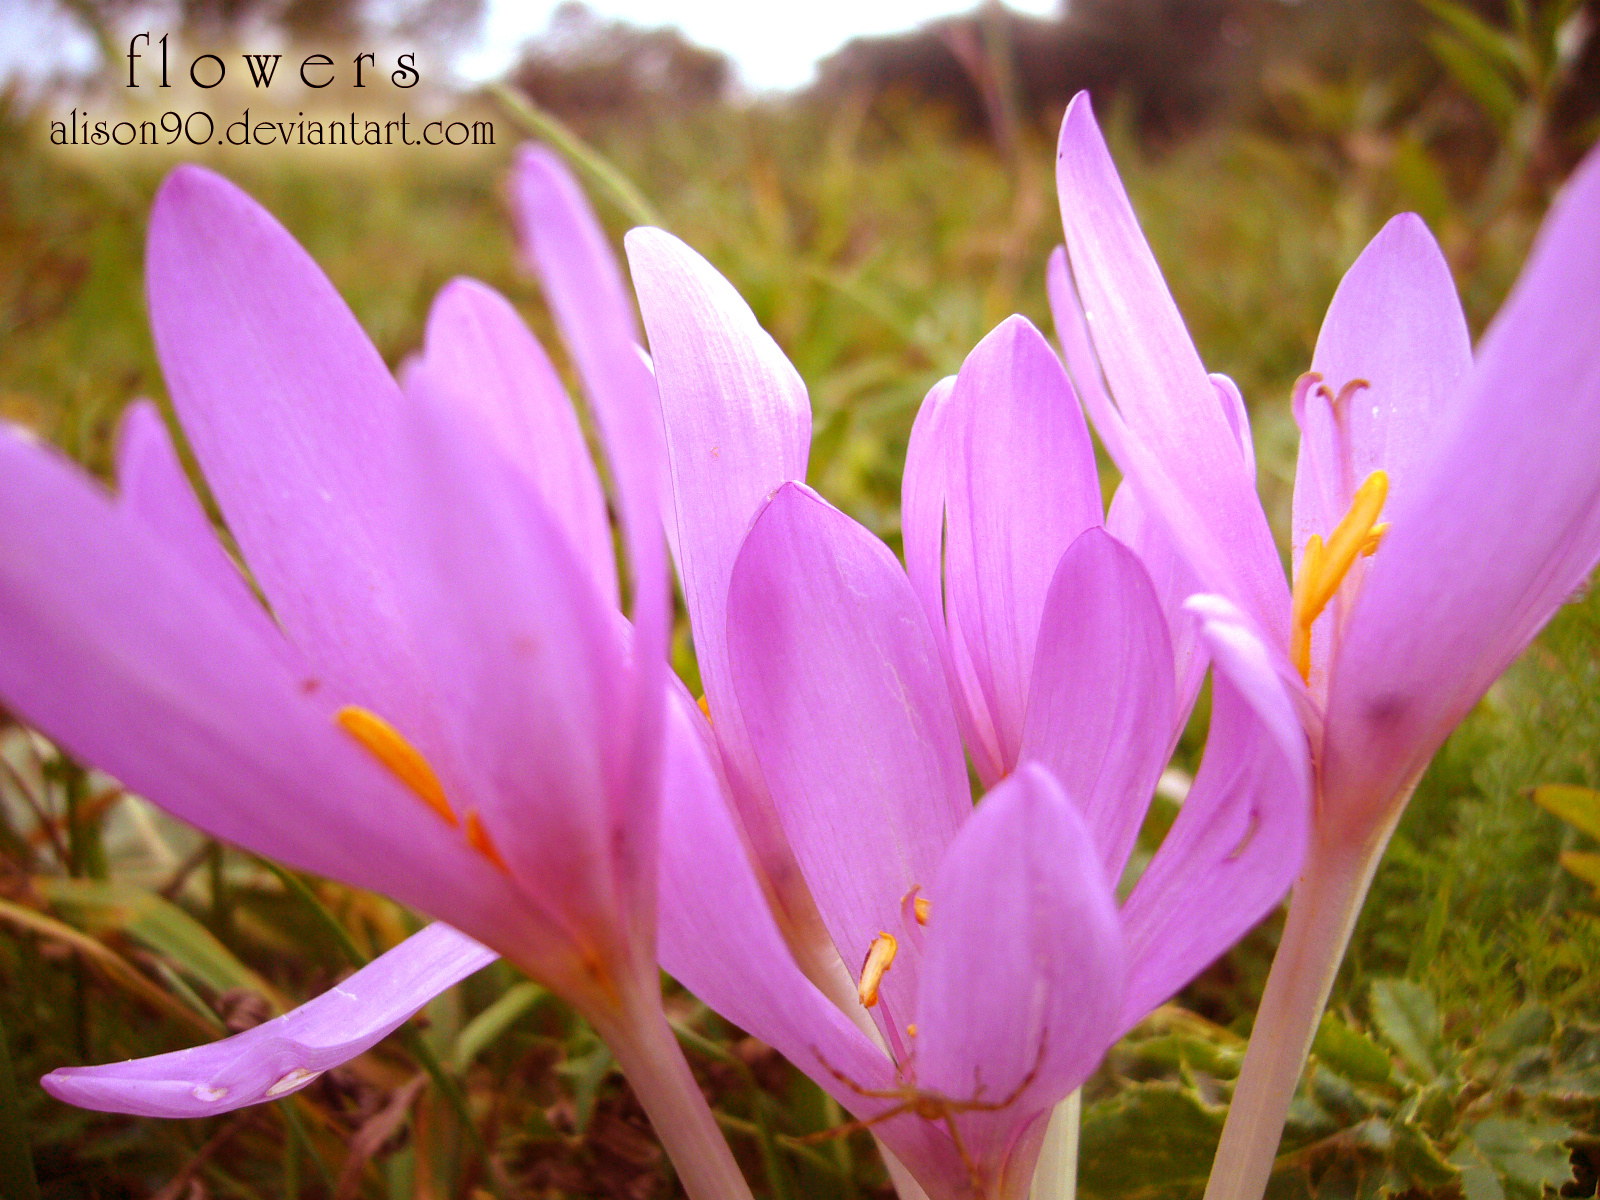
(880, 957)
(705, 706)
(478, 838)
(384, 742)
(923, 907)
(1324, 565)
(1374, 539)
(911, 1029)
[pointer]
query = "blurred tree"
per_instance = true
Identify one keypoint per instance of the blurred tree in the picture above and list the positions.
(585, 67)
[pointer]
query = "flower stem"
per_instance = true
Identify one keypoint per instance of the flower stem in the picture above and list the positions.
(1327, 900)
(1056, 1175)
(650, 1057)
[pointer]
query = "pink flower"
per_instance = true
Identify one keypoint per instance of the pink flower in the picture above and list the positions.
(1445, 506)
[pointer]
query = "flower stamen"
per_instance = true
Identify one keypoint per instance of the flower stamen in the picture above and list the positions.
(1324, 565)
(880, 957)
(478, 838)
(404, 761)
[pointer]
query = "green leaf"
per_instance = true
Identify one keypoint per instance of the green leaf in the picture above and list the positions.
(1178, 1050)
(1482, 38)
(1416, 1156)
(1152, 1140)
(1350, 1053)
(1478, 78)
(1479, 1181)
(1579, 806)
(1530, 1025)
(159, 925)
(1527, 1156)
(493, 1021)
(1408, 1018)
(1584, 864)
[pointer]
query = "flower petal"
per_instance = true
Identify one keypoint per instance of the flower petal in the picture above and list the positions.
(583, 284)
(845, 700)
(1023, 975)
(481, 355)
(1178, 442)
(1023, 485)
(1130, 522)
(296, 422)
(1241, 835)
(924, 498)
(718, 938)
(738, 424)
(114, 646)
(1100, 713)
(1077, 346)
(1395, 322)
(152, 486)
(528, 660)
(287, 1053)
(1500, 526)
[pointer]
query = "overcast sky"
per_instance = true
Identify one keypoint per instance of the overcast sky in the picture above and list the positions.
(774, 45)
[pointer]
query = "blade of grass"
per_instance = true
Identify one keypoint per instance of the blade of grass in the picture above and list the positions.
(536, 122)
(301, 1137)
(107, 961)
(17, 1180)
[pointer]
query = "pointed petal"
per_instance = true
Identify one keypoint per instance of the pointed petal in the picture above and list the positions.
(1130, 522)
(1023, 976)
(1501, 525)
(1023, 485)
(528, 660)
(1077, 346)
(152, 486)
(1100, 713)
(1396, 322)
(842, 691)
(718, 938)
(738, 424)
(1241, 835)
(924, 500)
(1179, 443)
(116, 648)
(1234, 408)
(287, 1053)
(295, 421)
(583, 285)
(481, 355)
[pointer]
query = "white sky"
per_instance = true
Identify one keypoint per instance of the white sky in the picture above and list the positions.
(774, 45)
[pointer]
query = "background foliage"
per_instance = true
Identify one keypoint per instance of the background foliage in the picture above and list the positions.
(879, 225)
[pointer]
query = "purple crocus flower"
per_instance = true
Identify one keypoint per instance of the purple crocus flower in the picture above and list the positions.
(986, 946)
(1446, 504)
(445, 704)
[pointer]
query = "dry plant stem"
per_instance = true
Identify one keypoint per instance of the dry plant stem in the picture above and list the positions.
(649, 1055)
(1056, 1175)
(1327, 900)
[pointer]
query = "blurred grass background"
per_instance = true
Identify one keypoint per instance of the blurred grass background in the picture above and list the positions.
(879, 224)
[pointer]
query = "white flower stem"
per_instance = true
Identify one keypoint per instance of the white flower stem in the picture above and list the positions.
(1327, 900)
(649, 1055)
(1056, 1175)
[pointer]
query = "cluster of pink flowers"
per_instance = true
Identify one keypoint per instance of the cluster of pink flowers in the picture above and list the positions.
(442, 700)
